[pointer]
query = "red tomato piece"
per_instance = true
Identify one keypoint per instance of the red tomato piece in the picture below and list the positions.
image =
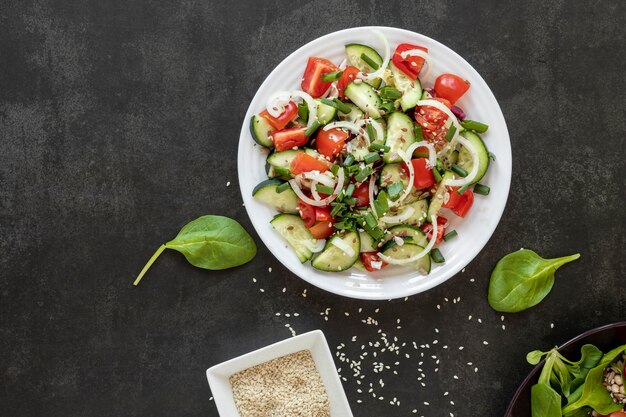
(362, 194)
(411, 65)
(423, 175)
(427, 228)
(322, 214)
(289, 138)
(283, 119)
(617, 414)
(453, 199)
(432, 121)
(368, 258)
(312, 80)
(330, 142)
(463, 206)
(322, 230)
(303, 162)
(348, 75)
(307, 213)
(451, 87)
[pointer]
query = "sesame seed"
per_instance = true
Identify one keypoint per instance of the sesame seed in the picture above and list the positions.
(485, 342)
(228, 184)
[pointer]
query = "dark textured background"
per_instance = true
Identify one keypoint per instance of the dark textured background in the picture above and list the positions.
(119, 122)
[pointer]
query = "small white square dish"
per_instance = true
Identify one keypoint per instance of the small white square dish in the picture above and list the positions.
(314, 341)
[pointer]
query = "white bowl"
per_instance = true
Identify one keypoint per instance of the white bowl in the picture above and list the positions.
(474, 231)
(315, 342)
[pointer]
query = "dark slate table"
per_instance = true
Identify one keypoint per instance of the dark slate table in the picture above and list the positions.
(119, 122)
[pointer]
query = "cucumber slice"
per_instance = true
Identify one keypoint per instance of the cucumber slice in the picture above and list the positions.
(354, 115)
(419, 216)
(411, 89)
(368, 244)
(354, 52)
(410, 234)
(291, 227)
(285, 202)
(333, 259)
(281, 161)
(407, 250)
(261, 131)
(392, 173)
(437, 201)
(325, 113)
(400, 135)
(365, 97)
(465, 160)
(426, 95)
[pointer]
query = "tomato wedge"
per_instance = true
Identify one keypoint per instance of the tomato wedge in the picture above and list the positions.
(289, 138)
(459, 204)
(322, 230)
(322, 214)
(330, 142)
(427, 228)
(283, 119)
(432, 121)
(348, 75)
(307, 213)
(303, 162)
(370, 257)
(312, 82)
(423, 175)
(362, 194)
(411, 65)
(451, 87)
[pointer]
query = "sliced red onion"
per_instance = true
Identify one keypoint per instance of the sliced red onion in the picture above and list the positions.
(458, 112)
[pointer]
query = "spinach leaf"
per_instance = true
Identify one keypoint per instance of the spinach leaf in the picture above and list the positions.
(209, 242)
(535, 356)
(544, 400)
(522, 279)
(594, 394)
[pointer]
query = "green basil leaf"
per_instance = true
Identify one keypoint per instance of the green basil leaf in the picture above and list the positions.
(522, 279)
(210, 242)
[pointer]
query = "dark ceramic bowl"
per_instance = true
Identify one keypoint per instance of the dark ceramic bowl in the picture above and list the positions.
(605, 338)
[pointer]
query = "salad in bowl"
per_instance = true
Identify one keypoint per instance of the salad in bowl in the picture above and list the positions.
(367, 162)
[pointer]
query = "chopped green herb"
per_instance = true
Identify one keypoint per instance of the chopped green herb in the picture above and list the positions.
(351, 201)
(450, 235)
(462, 190)
(378, 147)
(283, 187)
(370, 158)
(370, 221)
(350, 190)
(475, 126)
(395, 190)
(311, 129)
(390, 93)
(458, 170)
(303, 112)
(436, 256)
(437, 174)
(381, 204)
(338, 104)
(324, 189)
(329, 77)
(371, 133)
(481, 189)
(419, 135)
(337, 208)
(450, 133)
(387, 107)
(363, 174)
(373, 65)
(349, 160)
(334, 169)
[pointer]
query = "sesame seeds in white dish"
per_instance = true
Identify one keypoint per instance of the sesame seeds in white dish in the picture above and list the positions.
(425, 260)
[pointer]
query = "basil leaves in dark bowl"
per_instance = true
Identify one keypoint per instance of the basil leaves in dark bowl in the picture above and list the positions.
(604, 338)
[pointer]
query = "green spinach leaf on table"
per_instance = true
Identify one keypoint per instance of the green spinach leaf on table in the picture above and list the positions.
(522, 279)
(209, 242)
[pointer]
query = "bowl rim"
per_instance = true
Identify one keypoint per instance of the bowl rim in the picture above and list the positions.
(437, 279)
(537, 368)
